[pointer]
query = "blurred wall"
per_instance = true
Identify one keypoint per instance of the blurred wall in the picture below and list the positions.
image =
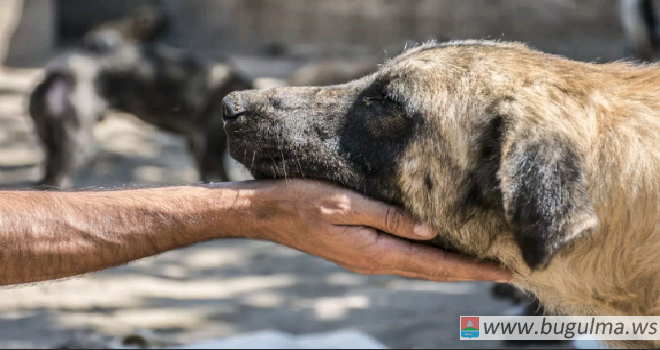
(582, 29)
(10, 11)
(75, 17)
(244, 25)
(27, 30)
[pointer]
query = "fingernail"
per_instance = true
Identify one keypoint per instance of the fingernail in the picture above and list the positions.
(423, 230)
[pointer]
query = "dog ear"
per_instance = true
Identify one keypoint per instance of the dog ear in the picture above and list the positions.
(545, 198)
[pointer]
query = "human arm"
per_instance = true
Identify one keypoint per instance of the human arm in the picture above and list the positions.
(51, 235)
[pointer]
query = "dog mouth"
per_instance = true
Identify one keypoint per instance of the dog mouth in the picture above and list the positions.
(276, 167)
(266, 163)
(281, 167)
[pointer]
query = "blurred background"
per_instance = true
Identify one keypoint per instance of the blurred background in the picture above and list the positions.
(227, 288)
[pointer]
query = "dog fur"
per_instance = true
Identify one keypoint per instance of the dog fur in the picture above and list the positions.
(166, 87)
(547, 165)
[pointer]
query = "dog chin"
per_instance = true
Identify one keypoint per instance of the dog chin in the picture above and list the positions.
(260, 175)
(271, 172)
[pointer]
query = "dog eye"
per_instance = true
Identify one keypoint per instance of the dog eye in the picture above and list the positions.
(369, 100)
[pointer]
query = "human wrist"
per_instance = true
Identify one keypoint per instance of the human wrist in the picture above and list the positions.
(238, 209)
(265, 209)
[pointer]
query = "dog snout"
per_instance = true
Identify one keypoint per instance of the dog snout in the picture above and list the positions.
(233, 106)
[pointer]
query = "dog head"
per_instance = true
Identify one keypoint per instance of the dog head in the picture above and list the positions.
(441, 131)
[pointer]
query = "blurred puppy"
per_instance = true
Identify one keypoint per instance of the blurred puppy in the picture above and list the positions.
(169, 88)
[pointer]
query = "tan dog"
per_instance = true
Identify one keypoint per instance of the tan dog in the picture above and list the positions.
(547, 165)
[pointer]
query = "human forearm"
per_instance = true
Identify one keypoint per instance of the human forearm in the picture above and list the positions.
(51, 235)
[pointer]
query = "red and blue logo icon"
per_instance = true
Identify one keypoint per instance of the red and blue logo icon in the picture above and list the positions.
(469, 327)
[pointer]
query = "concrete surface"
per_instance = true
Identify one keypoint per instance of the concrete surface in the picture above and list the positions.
(342, 339)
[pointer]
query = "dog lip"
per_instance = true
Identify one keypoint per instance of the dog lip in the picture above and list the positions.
(232, 125)
(228, 116)
(261, 175)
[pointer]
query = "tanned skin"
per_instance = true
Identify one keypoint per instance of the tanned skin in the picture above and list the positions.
(53, 235)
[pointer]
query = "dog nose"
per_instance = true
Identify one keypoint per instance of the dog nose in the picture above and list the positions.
(232, 106)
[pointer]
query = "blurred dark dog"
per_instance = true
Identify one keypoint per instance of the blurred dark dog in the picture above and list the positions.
(123, 68)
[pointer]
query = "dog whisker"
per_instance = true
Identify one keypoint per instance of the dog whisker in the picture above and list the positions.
(300, 169)
(283, 164)
(277, 168)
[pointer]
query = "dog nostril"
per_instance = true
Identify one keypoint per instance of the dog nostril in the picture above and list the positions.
(226, 111)
(231, 107)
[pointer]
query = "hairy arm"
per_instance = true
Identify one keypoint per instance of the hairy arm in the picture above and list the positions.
(53, 235)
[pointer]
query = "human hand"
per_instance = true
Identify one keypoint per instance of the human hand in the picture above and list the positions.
(358, 233)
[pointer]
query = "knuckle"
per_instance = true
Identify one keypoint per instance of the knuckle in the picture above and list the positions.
(343, 203)
(394, 219)
(338, 204)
